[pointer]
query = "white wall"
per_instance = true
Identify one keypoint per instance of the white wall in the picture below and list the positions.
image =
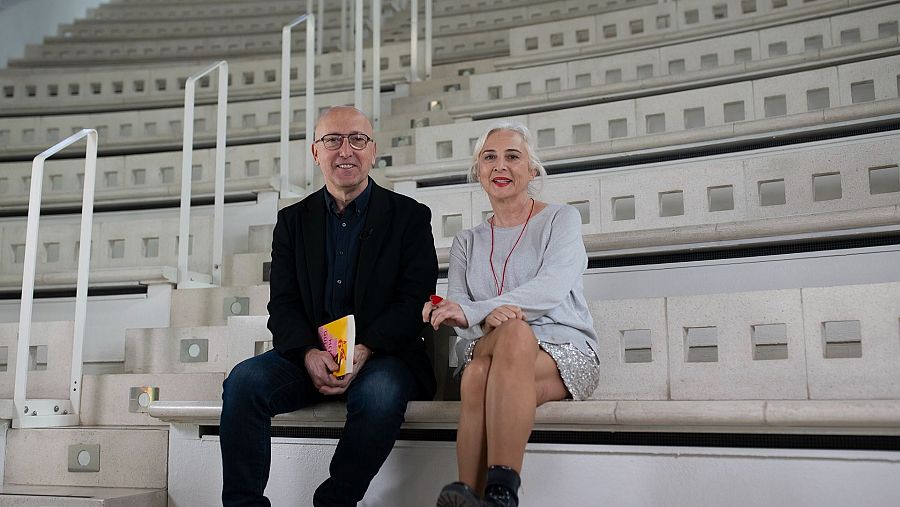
(29, 21)
(559, 474)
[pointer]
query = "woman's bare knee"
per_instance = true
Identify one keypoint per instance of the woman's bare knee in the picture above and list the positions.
(514, 326)
(515, 343)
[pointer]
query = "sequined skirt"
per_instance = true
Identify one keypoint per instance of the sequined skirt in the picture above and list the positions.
(580, 372)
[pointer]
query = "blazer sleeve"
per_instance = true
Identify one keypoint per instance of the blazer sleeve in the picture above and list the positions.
(416, 278)
(292, 329)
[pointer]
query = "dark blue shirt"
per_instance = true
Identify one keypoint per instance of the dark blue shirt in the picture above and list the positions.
(342, 236)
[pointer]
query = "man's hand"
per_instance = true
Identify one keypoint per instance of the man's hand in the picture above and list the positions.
(319, 365)
(361, 354)
(500, 315)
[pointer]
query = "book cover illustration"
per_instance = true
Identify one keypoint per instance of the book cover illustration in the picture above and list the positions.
(339, 339)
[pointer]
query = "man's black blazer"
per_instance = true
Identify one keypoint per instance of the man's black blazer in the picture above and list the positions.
(396, 271)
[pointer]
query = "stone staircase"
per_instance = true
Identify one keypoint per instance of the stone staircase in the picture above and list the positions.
(118, 455)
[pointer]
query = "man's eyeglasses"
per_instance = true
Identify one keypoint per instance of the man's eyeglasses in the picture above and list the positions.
(334, 141)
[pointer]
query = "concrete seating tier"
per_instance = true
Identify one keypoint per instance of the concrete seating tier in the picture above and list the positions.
(151, 177)
(863, 89)
(537, 8)
(155, 178)
(449, 18)
(134, 10)
(91, 31)
(32, 90)
(655, 24)
(822, 359)
(83, 496)
(156, 129)
(106, 53)
(162, 127)
(818, 416)
(128, 457)
(816, 187)
(128, 251)
(782, 49)
(186, 47)
(109, 399)
(25, 90)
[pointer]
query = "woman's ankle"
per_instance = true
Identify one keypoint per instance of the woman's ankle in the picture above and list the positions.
(502, 488)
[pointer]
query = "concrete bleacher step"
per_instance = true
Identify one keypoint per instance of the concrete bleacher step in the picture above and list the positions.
(260, 238)
(181, 350)
(284, 202)
(247, 269)
(15, 495)
(49, 357)
(87, 456)
(176, 350)
(123, 400)
(213, 306)
(248, 336)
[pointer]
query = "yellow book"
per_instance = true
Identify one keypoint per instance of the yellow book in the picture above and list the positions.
(339, 339)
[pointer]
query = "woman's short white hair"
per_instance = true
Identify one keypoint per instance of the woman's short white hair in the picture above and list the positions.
(533, 161)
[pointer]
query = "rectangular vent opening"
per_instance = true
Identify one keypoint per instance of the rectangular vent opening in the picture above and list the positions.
(701, 344)
(636, 346)
(769, 342)
(843, 339)
(37, 358)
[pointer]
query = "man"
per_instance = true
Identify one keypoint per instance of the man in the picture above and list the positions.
(351, 247)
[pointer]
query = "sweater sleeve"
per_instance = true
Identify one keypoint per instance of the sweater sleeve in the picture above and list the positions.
(458, 285)
(563, 261)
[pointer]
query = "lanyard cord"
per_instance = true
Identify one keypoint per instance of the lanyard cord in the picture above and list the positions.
(502, 281)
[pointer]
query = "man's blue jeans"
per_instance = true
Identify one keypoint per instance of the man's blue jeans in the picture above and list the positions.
(266, 385)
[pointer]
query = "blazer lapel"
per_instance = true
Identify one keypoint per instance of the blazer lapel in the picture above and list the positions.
(378, 219)
(313, 239)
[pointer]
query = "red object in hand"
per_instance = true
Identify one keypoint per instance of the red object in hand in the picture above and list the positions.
(436, 300)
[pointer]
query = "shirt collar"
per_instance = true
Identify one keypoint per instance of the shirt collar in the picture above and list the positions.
(357, 206)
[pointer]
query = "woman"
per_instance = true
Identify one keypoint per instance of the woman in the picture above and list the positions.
(515, 296)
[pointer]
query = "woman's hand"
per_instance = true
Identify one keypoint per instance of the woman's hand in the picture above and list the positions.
(446, 312)
(500, 315)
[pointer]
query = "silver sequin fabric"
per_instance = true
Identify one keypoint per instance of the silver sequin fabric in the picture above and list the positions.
(580, 372)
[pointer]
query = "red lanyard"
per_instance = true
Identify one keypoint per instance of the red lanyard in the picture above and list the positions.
(491, 258)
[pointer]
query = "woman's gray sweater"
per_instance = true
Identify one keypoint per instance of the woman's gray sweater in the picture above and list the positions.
(543, 277)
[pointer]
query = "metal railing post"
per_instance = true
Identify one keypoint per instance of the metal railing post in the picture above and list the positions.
(320, 32)
(47, 413)
(344, 25)
(376, 64)
(428, 37)
(310, 19)
(414, 40)
(185, 277)
(358, 57)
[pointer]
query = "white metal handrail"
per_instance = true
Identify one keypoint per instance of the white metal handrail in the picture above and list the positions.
(185, 277)
(414, 40)
(37, 413)
(428, 36)
(358, 57)
(285, 161)
(376, 66)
